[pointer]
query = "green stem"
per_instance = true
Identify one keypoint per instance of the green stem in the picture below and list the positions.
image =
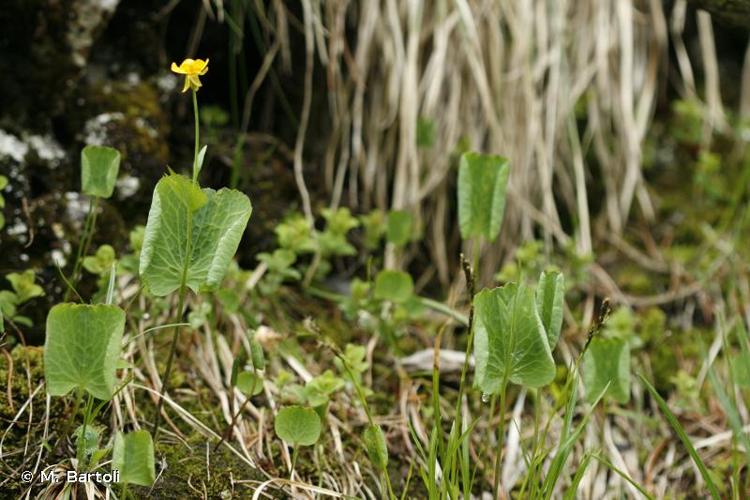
(124, 490)
(81, 443)
(500, 442)
(176, 334)
(197, 136)
(391, 495)
(83, 244)
(294, 462)
(227, 434)
(72, 417)
(168, 370)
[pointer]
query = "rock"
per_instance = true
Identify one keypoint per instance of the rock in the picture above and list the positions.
(45, 45)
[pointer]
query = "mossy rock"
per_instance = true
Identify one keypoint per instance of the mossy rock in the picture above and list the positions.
(186, 463)
(45, 45)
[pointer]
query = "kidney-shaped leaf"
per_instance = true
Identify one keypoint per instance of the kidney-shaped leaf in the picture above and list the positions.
(133, 456)
(550, 300)
(607, 361)
(482, 180)
(510, 343)
(297, 425)
(396, 286)
(99, 168)
(82, 347)
(214, 221)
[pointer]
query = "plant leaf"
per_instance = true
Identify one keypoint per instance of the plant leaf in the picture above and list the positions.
(510, 343)
(201, 157)
(133, 456)
(607, 361)
(399, 230)
(99, 168)
(298, 426)
(482, 180)
(550, 301)
(215, 221)
(680, 431)
(90, 439)
(396, 286)
(249, 383)
(24, 286)
(82, 348)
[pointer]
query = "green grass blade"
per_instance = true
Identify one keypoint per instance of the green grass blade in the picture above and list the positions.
(573, 490)
(730, 409)
(683, 437)
(623, 475)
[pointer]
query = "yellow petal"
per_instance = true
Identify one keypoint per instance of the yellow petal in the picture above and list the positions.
(177, 69)
(195, 82)
(187, 84)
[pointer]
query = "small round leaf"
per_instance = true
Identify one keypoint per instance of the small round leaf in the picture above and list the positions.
(298, 425)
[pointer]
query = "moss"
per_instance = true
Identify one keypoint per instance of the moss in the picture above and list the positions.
(18, 380)
(185, 465)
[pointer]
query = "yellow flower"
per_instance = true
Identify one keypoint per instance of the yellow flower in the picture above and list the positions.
(192, 69)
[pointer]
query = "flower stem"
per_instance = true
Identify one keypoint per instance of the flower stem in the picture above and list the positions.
(168, 370)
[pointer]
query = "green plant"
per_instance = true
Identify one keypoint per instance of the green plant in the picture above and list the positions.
(606, 368)
(374, 225)
(400, 228)
(680, 431)
(298, 426)
(514, 334)
(395, 286)
(24, 289)
(99, 168)
(81, 351)
(191, 234)
(482, 181)
(133, 456)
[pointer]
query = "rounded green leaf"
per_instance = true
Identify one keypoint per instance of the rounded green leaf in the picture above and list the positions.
(215, 221)
(298, 426)
(399, 228)
(510, 344)
(82, 347)
(24, 285)
(133, 456)
(99, 168)
(607, 361)
(396, 286)
(482, 180)
(249, 383)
